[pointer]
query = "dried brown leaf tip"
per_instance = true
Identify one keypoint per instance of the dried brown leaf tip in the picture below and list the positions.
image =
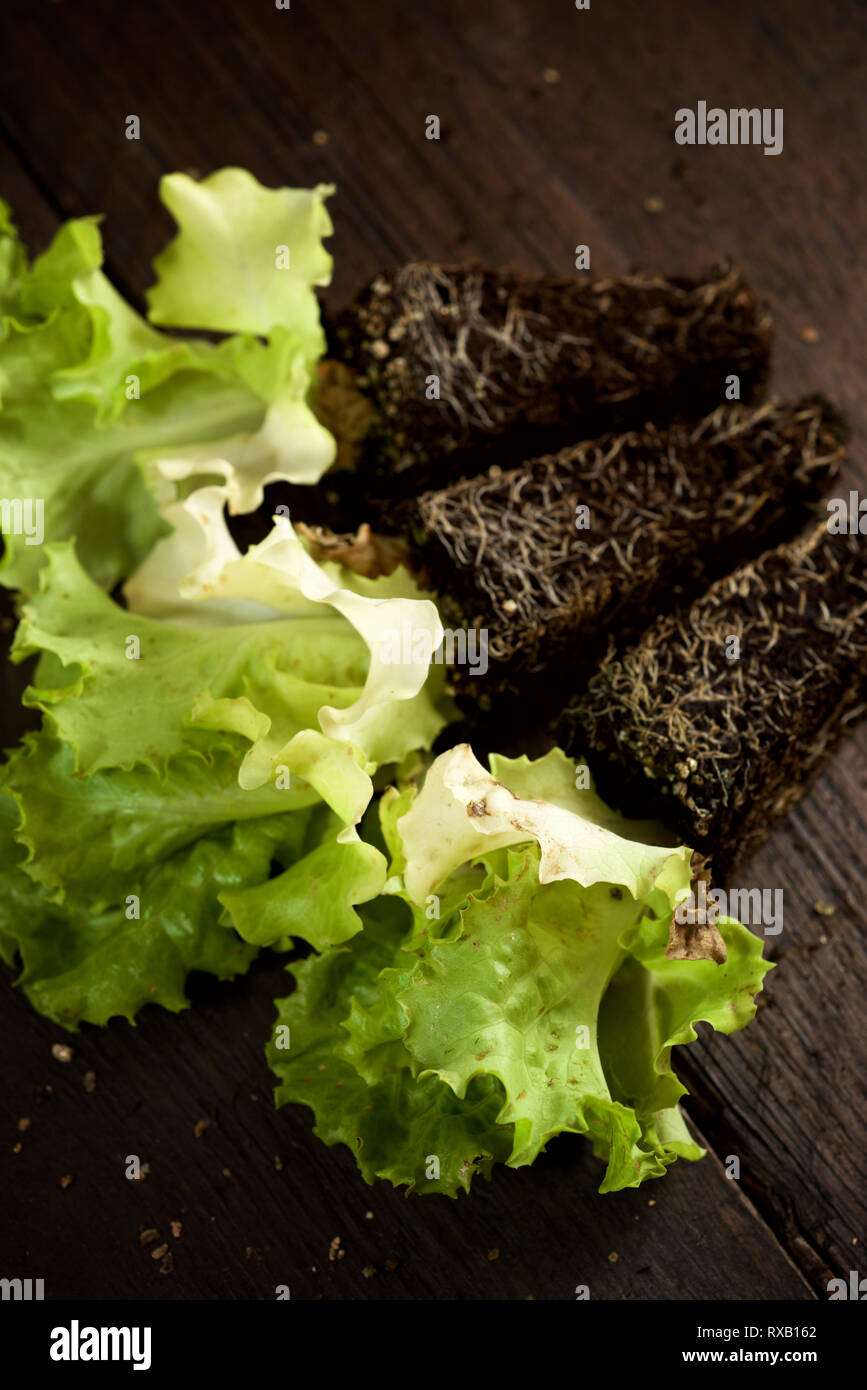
(364, 553)
(342, 409)
(695, 941)
(693, 933)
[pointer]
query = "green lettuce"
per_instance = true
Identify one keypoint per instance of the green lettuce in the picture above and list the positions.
(396, 1124)
(523, 985)
(101, 413)
(210, 763)
(89, 961)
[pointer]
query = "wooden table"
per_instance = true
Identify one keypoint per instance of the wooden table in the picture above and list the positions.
(557, 129)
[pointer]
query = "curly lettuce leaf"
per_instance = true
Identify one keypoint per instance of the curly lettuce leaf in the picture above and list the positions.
(72, 355)
(406, 1130)
(653, 1003)
(90, 837)
(198, 569)
(518, 995)
(90, 687)
(93, 397)
(13, 260)
(224, 270)
(305, 687)
(246, 260)
(227, 748)
(203, 860)
(315, 897)
(82, 962)
(465, 811)
(532, 963)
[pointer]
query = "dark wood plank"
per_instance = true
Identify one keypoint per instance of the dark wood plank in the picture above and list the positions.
(787, 1096)
(249, 1225)
(527, 169)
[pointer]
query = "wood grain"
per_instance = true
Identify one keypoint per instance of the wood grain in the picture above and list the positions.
(527, 168)
(249, 1225)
